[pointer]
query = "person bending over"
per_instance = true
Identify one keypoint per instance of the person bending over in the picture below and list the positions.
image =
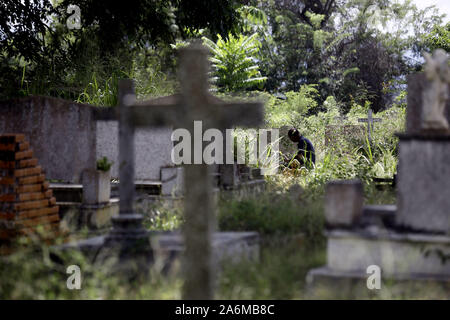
(306, 154)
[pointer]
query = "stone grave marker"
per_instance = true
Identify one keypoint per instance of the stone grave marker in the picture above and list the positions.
(181, 110)
(370, 120)
(335, 135)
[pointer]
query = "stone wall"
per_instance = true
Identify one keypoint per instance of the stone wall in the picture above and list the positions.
(152, 149)
(60, 133)
(67, 140)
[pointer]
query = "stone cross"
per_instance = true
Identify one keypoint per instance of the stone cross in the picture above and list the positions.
(194, 103)
(370, 121)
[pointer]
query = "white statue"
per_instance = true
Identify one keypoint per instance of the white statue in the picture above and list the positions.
(436, 95)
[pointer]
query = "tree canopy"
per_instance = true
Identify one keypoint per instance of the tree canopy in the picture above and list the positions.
(352, 50)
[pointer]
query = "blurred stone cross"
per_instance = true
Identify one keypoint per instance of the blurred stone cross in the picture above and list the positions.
(194, 103)
(370, 121)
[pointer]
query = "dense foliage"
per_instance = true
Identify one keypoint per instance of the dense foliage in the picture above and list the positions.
(234, 62)
(39, 54)
(439, 38)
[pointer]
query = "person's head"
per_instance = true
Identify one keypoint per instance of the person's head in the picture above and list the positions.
(294, 135)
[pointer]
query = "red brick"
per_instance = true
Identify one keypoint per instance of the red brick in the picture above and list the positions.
(27, 172)
(32, 179)
(7, 180)
(7, 197)
(24, 155)
(27, 163)
(45, 185)
(8, 147)
(37, 212)
(37, 221)
(48, 193)
(7, 164)
(24, 146)
(30, 205)
(51, 230)
(52, 201)
(7, 216)
(31, 196)
(17, 137)
(30, 188)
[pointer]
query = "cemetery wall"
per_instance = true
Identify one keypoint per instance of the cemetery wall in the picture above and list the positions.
(60, 133)
(66, 138)
(153, 147)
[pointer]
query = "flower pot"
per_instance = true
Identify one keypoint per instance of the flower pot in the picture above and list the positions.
(96, 186)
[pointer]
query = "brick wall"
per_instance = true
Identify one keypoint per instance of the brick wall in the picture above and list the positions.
(27, 204)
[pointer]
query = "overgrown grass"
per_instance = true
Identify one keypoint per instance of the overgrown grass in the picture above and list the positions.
(35, 273)
(273, 214)
(280, 273)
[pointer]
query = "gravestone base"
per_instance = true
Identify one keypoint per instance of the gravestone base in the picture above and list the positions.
(167, 248)
(142, 188)
(326, 283)
(245, 188)
(411, 264)
(95, 218)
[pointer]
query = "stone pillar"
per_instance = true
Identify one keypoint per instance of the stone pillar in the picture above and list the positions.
(127, 226)
(172, 181)
(423, 187)
(343, 203)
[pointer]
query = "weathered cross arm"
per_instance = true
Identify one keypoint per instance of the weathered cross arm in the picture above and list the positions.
(155, 115)
(240, 114)
(372, 120)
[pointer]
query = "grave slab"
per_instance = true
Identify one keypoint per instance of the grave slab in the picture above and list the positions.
(411, 265)
(393, 252)
(326, 283)
(168, 247)
(93, 218)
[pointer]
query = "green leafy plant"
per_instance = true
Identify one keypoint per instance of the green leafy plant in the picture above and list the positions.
(98, 95)
(235, 62)
(439, 38)
(103, 164)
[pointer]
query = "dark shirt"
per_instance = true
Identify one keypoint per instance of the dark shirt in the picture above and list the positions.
(306, 148)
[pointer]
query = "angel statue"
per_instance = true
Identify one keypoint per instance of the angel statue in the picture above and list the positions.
(435, 96)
